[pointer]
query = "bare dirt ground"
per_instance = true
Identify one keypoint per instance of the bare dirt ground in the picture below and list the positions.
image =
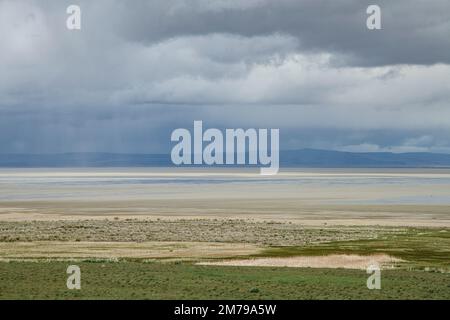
(330, 261)
(286, 210)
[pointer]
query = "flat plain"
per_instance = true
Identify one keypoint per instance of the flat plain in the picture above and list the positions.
(152, 234)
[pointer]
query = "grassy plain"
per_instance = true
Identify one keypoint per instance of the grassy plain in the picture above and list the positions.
(161, 264)
(174, 280)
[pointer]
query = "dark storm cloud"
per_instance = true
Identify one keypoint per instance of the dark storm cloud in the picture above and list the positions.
(414, 31)
(137, 70)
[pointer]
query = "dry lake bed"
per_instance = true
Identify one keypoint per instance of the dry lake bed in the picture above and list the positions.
(225, 221)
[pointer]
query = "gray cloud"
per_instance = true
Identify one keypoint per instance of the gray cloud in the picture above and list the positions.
(414, 31)
(137, 71)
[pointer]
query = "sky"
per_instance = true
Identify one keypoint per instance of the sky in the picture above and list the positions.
(137, 70)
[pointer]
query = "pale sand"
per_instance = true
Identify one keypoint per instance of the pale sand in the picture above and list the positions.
(280, 210)
(139, 172)
(114, 250)
(330, 261)
(317, 199)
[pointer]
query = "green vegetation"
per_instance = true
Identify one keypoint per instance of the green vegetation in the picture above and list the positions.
(139, 280)
(134, 278)
(421, 248)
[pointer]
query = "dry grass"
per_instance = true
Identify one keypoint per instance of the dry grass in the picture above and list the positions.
(129, 250)
(346, 261)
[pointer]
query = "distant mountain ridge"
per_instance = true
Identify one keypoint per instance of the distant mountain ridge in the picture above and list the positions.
(288, 158)
(330, 158)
